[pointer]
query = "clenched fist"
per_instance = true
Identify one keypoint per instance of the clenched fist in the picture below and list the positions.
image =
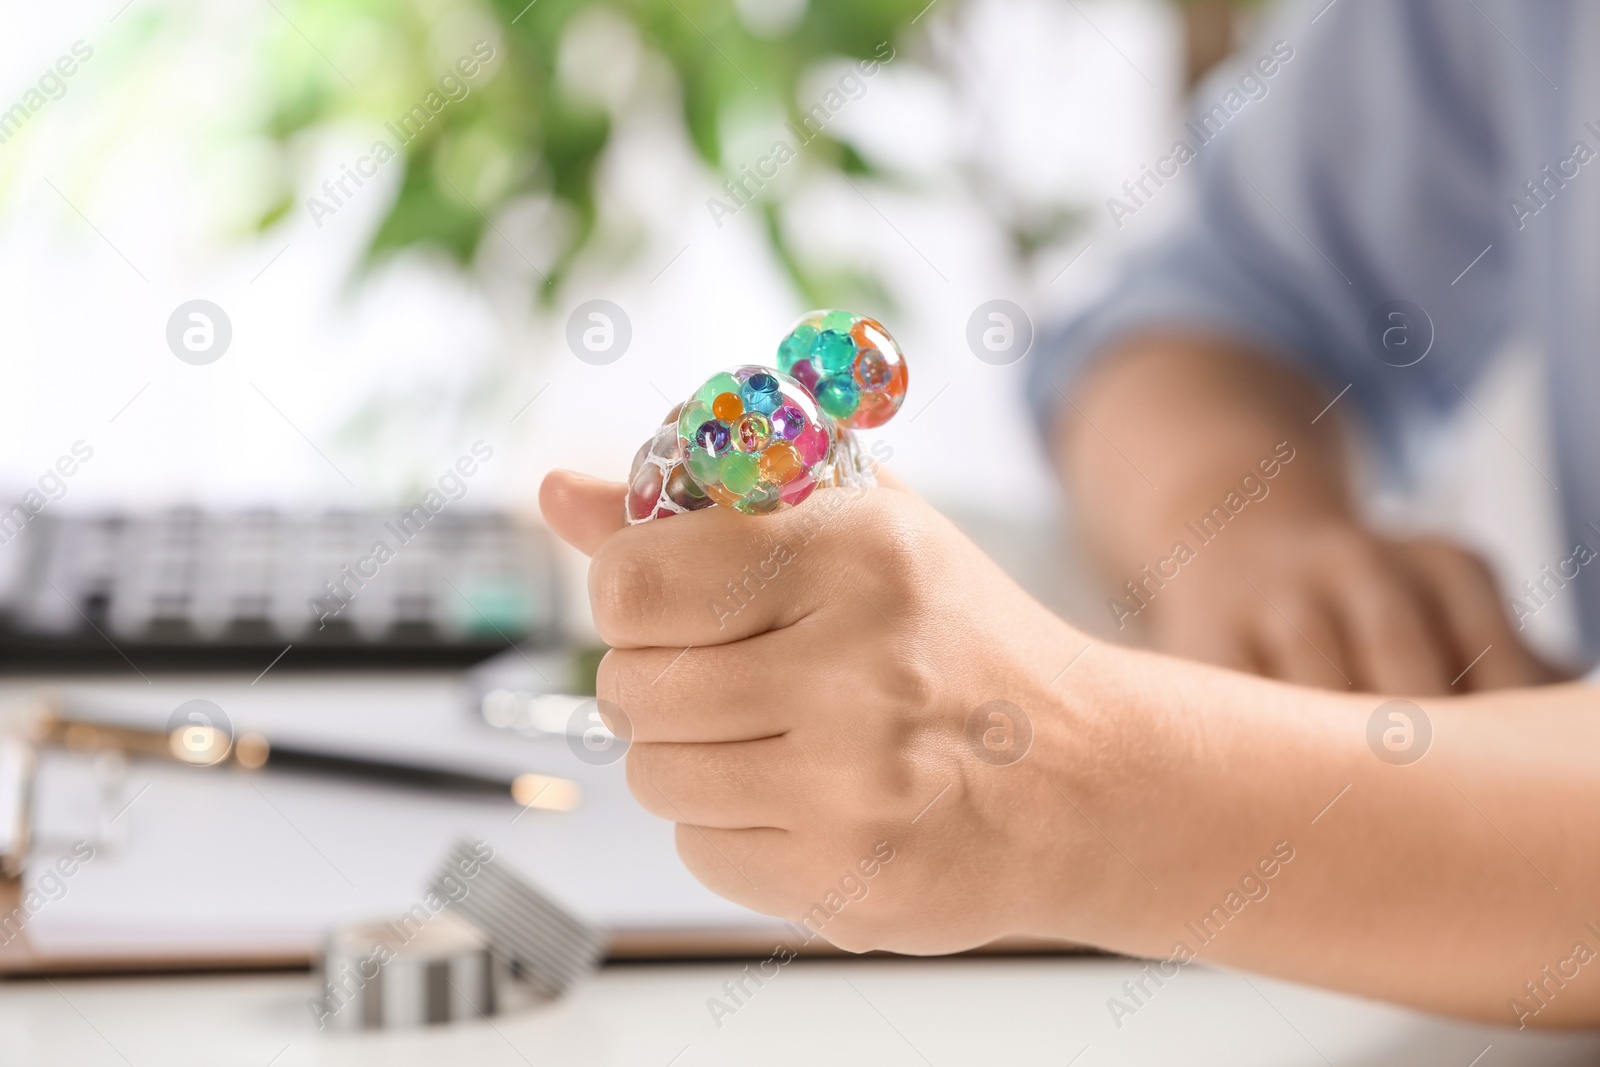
(846, 698)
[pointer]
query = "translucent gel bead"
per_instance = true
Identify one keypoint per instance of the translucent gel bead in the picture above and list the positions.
(805, 372)
(658, 486)
(738, 472)
(693, 414)
(796, 346)
(727, 406)
(764, 498)
(780, 464)
(838, 396)
(812, 445)
(875, 409)
(715, 387)
(788, 421)
(712, 437)
(644, 491)
(880, 374)
(833, 352)
(702, 467)
(797, 490)
(760, 394)
(872, 370)
(682, 491)
(752, 432)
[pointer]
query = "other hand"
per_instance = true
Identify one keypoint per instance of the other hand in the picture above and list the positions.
(1328, 603)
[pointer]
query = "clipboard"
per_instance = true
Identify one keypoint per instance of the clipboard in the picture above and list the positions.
(213, 868)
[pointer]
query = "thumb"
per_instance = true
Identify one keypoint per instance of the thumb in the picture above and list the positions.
(583, 511)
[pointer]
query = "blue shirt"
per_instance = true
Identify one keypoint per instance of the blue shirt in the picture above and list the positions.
(1421, 178)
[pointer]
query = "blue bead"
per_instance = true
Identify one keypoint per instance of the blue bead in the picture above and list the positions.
(761, 393)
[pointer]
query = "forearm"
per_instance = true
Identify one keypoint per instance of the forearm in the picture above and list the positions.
(1166, 424)
(1433, 884)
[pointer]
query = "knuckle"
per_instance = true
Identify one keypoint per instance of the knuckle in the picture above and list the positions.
(892, 562)
(1457, 560)
(1274, 632)
(908, 683)
(1397, 625)
(1353, 556)
(1292, 609)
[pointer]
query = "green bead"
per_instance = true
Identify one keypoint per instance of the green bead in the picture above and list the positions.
(693, 414)
(838, 321)
(719, 384)
(837, 396)
(796, 346)
(739, 472)
(761, 500)
(703, 466)
(833, 351)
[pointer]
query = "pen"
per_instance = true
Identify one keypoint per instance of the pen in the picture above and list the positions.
(205, 746)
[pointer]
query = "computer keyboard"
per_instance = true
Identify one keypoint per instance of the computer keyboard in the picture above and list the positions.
(186, 588)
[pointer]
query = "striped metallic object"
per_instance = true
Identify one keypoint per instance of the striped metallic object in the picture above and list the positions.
(384, 975)
(543, 943)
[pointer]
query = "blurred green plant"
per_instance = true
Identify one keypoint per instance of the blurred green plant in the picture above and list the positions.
(527, 133)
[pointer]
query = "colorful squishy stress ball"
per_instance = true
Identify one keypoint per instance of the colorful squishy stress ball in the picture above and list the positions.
(850, 364)
(757, 440)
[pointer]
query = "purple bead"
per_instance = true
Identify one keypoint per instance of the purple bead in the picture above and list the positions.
(805, 372)
(788, 421)
(712, 436)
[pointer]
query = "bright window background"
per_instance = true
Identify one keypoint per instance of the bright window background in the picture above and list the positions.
(132, 194)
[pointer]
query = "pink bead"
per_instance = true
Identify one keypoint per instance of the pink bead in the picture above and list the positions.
(797, 490)
(812, 444)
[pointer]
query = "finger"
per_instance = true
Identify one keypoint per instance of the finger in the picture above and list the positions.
(755, 868)
(583, 511)
(733, 786)
(717, 576)
(1297, 640)
(779, 872)
(1394, 645)
(667, 697)
(1488, 652)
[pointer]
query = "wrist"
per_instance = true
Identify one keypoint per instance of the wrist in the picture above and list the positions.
(1095, 780)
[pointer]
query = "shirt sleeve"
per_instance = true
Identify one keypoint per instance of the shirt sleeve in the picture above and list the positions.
(1362, 172)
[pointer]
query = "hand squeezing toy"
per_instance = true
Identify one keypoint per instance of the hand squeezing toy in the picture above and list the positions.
(756, 439)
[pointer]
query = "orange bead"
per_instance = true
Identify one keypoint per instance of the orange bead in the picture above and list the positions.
(780, 463)
(868, 333)
(727, 406)
(722, 496)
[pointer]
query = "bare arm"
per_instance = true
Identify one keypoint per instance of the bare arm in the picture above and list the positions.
(1461, 882)
(1165, 425)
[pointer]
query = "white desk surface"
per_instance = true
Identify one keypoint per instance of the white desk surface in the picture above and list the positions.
(882, 1012)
